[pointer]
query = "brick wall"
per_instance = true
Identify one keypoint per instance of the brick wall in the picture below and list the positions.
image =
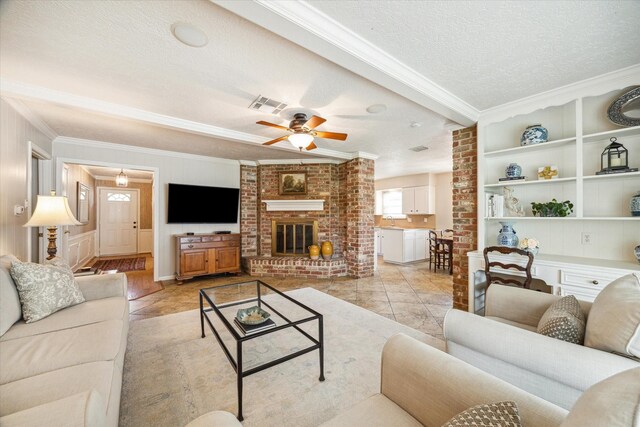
(322, 183)
(359, 207)
(465, 210)
(249, 210)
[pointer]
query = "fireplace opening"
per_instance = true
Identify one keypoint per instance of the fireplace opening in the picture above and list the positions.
(292, 237)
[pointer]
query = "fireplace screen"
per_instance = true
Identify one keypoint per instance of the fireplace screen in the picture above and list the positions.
(293, 237)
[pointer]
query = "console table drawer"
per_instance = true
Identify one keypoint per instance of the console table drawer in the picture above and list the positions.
(190, 240)
(584, 279)
(210, 245)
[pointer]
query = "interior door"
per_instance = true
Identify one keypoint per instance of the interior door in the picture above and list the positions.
(118, 225)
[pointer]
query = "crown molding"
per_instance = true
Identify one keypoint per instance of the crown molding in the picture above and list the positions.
(594, 86)
(111, 178)
(66, 140)
(36, 121)
(23, 90)
(301, 23)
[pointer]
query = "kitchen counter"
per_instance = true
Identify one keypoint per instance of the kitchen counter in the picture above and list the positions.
(402, 245)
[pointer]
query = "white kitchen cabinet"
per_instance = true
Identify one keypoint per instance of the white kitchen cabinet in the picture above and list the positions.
(379, 241)
(404, 245)
(418, 200)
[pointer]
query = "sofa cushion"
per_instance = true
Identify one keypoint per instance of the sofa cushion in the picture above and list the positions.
(614, 402)
(10, 310)
(376, 411)
(498, 414)
(80, 410)
(38, 354)
(564, 320)
(58, 384)
(614, 320)
(82, 314)
(512, 323)
(44, 289)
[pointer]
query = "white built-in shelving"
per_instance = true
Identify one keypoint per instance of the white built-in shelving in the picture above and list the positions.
(579, 130)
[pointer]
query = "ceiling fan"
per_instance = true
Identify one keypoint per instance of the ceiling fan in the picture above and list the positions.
(302, 132)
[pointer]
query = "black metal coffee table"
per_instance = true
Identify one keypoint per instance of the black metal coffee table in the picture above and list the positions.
(287, 314)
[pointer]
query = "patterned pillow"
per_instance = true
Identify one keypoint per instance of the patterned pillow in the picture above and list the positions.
(499, 414)
(564, 320)
(44, 289)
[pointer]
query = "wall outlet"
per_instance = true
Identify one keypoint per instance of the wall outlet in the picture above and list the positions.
(409, 219)
(587, 238)
(425, 219)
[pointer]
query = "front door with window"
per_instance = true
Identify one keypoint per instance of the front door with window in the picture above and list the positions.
(118, 226)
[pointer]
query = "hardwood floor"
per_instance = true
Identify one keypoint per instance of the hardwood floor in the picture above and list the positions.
(409, 294)
(140, 283)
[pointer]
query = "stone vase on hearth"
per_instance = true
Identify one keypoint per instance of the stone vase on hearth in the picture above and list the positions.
(314, 252)
(327, 250)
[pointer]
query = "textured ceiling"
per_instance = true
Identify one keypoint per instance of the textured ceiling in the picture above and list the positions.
(492, 52)
(124, 53)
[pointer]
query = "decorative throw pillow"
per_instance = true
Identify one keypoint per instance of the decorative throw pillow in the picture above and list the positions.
(44, 289)
(612, 402)
(499, 414)
(564, 320)
(614, 319)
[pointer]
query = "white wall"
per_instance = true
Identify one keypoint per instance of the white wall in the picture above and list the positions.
(404, 181)
(15, 158)
(169, 167)
(444, 200)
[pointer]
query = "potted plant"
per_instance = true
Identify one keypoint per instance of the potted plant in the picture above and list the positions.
(552, 208)
(529, 244)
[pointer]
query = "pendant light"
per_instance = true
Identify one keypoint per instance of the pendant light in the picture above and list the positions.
(121, 179)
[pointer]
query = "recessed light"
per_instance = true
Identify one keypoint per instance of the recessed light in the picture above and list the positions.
(189, 34)
(415, 124)
(376, 108)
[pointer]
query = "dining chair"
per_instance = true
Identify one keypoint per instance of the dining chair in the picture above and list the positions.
(434, 250)
(506, 278)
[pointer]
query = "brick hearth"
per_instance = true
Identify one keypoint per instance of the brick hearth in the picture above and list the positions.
(294, 267)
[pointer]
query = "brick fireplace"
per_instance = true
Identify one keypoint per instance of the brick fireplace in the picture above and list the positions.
(346, 219)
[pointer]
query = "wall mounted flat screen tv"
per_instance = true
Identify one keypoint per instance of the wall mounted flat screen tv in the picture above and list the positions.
(197, 204)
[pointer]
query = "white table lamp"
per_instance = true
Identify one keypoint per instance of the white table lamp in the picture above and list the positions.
(52, 211)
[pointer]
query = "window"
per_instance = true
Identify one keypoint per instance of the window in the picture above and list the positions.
(392, 203)
(118, 197)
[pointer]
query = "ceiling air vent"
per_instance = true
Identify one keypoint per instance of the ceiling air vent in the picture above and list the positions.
(267, 105)
(419, 148)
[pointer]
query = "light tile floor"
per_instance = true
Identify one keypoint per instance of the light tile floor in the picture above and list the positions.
(409, 294)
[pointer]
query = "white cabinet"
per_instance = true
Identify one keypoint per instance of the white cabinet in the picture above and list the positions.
(418, 200)
(404, 245)
(379, 240)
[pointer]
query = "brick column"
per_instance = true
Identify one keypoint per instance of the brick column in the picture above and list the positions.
(359, 199)
(465, 210)
(249, 210)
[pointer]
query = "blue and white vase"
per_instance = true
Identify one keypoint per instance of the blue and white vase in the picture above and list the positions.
(634, 205)
(637, 251)
(534, 134)
(513, 170)
(507, 236)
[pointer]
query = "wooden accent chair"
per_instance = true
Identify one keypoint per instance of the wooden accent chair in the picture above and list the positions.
(505, 279)
(439, 254)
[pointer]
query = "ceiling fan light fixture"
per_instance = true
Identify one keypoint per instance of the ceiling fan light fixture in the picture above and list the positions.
(300, 140)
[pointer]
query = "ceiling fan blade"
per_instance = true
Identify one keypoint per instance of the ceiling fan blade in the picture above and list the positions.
(331, 135)
(273, 141)
(273, 125)
(311, 146)
(313, 122)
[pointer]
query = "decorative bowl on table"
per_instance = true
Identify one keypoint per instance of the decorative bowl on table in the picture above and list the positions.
(252, 315)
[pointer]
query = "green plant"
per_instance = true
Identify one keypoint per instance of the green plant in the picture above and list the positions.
(552, 208)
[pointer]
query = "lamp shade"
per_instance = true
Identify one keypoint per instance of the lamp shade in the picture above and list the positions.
(300, 140)
(52, 211)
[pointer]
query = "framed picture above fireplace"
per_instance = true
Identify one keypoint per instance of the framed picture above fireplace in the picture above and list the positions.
(292, 183)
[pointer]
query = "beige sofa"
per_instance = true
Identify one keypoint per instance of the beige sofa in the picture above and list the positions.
(66, 369)
(504, 343)
(423, 386)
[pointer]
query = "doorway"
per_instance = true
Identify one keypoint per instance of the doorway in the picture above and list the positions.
(118, 221)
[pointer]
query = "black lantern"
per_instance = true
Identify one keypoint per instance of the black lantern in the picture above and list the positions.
(614, 159)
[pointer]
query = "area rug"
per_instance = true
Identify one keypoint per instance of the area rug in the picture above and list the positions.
(172, 376)
(121, 264)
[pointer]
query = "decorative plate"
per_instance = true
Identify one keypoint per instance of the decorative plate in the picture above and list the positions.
(618, 110)
(252, 315)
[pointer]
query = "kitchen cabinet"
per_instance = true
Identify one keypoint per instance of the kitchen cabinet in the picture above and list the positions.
(418, 200)
(404, 245)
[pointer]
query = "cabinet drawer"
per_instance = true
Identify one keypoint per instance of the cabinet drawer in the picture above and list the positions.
(212, 239)
(208, 245)
(584, 279)
(190, 239)
(581, 293)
